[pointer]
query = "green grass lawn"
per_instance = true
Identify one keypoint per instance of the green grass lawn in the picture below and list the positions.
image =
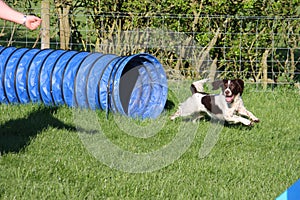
(43, 156)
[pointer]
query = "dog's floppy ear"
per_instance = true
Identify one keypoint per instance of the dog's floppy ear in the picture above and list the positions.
(217, 84)
(240, 86)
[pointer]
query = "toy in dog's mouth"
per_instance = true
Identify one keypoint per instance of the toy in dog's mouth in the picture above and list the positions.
(229, 99)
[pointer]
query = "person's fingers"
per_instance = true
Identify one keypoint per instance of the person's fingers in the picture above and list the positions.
(33, 22)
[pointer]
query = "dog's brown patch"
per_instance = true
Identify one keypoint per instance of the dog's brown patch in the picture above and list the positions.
(210, 104)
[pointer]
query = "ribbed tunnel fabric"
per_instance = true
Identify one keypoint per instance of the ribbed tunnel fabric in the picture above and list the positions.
(134, 85)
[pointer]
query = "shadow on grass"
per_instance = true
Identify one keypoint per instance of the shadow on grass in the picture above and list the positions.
(16, 134)
(169, 105)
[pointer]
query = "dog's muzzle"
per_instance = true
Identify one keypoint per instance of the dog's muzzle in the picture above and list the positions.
(229, 97)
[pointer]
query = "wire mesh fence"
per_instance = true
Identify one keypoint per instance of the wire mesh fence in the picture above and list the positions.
(257, 48)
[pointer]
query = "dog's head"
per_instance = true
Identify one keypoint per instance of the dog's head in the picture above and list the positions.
(230, 88)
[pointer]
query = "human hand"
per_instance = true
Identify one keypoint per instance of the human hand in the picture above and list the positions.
(32, 22)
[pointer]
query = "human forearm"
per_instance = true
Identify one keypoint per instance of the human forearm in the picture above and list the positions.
(7, 13)
(10, 14)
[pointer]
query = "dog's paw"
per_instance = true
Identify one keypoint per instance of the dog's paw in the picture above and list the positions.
(175, 115)
(194, 121)
(253, 121)
(248, 122)
(172, 117)
(251, 124)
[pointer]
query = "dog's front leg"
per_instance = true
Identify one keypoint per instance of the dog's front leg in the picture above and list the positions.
(243, 111)
(238, 119)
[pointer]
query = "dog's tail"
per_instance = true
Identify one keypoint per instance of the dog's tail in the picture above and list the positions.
(197, 86)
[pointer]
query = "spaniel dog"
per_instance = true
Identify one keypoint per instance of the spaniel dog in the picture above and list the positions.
(227, 106)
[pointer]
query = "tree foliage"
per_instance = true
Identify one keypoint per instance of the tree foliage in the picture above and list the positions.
(249, 29)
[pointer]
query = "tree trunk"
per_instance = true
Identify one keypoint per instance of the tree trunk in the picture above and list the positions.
(293, 65)
(45, 15)
(63, 10)
(264, 67)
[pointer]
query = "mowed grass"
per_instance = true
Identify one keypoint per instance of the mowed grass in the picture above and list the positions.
(43, 157)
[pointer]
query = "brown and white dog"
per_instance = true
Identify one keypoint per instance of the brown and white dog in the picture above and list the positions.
(227, 106)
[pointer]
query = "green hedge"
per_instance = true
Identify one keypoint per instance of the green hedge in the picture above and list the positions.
(248, 31)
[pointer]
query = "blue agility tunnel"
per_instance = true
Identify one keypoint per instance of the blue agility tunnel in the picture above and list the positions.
(134, 85)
